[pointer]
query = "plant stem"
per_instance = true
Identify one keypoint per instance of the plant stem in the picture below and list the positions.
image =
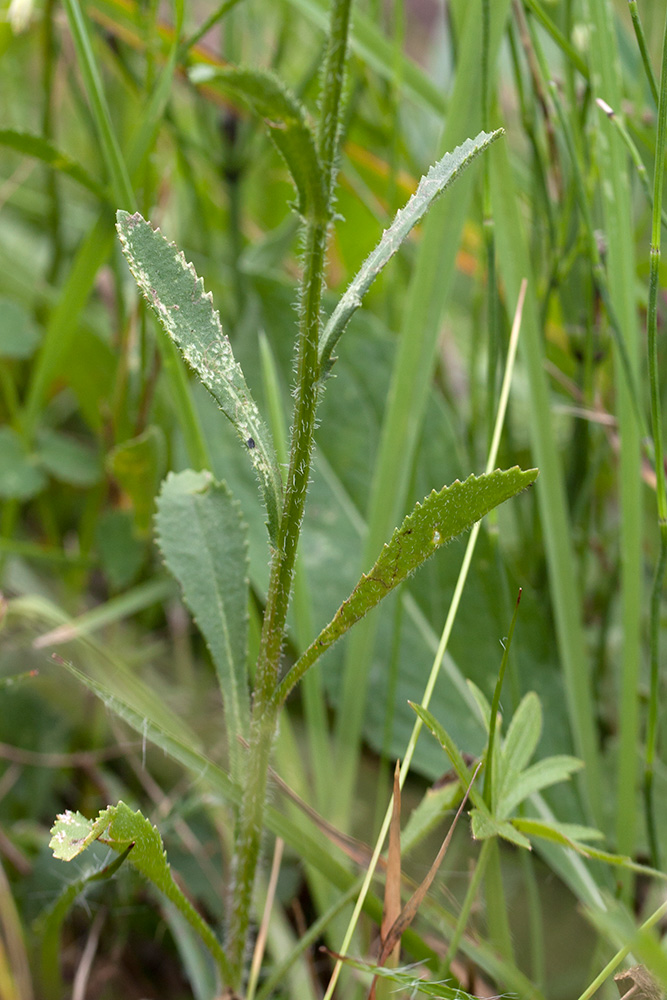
(464, 915)
(265, 709)
(656, 421)
(641, 42)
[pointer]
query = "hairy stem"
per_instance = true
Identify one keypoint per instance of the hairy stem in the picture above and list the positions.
(264, 712)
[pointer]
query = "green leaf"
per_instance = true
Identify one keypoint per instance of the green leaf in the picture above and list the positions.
(409, 983)
(432, 184)
(177, 295)
(19, 337)
(40, 149)
(559, 833)
(49, 923)
(523, 734)
(121, 829)
(121, 553)
(518, 786)
(485, 826)
(20, 476)
(432, 811)
(452, 751)
(441, 517)
(66, 459)
(210, 561)
(285, 118)
(71, 834)
(137, 466)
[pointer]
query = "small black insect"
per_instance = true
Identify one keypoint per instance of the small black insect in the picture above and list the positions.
(250, 442)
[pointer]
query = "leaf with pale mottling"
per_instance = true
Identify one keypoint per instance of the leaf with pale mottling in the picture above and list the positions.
(172, 288)
(122, 829)
(439, 518)
(430, 187)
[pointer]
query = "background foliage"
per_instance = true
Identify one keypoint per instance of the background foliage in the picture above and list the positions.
(92, 419)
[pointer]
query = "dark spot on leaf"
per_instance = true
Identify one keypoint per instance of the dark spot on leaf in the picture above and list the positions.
(250, 442)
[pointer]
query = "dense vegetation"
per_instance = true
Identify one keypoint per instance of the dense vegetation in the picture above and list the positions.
(168, 570)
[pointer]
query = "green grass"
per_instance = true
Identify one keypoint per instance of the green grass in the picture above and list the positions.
(108, 106)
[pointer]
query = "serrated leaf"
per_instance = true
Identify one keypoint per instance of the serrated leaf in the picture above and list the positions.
(439, 518)
(210, 561)
(122, 829)
(70, 834)
(286, 121)
(40, 149)
(484, 826)
(173, 290)
(518, 786)
(432, 184)
(20, 476)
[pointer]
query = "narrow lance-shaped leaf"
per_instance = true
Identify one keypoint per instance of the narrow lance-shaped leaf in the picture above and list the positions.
(523, 733)
(121, 829)
(441, 517)
(172, 288)
(517, 786)
(432, 184)
(40, 149)
(285, 119)
(210, 561)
